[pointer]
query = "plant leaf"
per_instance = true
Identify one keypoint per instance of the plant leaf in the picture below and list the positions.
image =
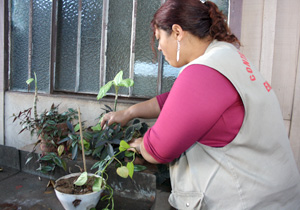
(139, 168)
(123, 171)
(64, 140)
(130, 167)
(28, 159)
(110, 150)
(129, 153)
(77, 127)
(60, 149)
(97, 186)
(103, 90)
(118, 78)
(81, 180)
(57, 161)
(29, 81)
(126, 83)
(64, 165)
(46, 157)
(45, 169)
(97, 127)
(74, 152)
(123, 146)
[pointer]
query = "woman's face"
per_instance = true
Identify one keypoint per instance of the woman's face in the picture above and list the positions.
(168, 45)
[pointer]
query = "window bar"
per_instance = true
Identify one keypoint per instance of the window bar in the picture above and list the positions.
(9, 45)
(30, 41)
(132, 45)
(160, 68)
(78, 46)
(103, 43)
(53, 42)
(160, 73)
(6, 43)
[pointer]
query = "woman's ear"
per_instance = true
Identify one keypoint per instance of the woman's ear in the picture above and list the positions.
(177, 32)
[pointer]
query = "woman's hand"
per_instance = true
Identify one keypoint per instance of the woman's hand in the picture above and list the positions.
(138, 146)
(147, 110)
(115, 117)
(135, 145)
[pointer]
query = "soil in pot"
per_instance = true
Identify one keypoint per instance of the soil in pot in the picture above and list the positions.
(67, 186)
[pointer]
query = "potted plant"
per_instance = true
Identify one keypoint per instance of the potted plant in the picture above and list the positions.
(106, 140)
(50, 127)
(83, 190)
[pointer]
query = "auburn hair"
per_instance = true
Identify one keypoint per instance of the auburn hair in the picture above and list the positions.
(200, 19)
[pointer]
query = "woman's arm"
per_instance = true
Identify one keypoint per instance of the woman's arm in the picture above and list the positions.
(148, 109)
(196, 102)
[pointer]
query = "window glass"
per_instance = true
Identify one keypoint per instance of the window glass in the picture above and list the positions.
(41, 26)
(223, 5)
(91, 27)
(19, 44)
(145, 70)
(119, 39)
(170, 74)
(65, 75)
(84, 51)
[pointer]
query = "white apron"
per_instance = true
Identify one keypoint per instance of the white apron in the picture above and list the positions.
(257, 169)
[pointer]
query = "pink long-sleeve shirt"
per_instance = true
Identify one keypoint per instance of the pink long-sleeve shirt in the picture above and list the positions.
(202, 106)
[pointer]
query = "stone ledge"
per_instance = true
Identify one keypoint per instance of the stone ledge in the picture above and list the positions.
(142, 188)
(9, 157)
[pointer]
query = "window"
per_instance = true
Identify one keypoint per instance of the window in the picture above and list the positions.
(76, 46)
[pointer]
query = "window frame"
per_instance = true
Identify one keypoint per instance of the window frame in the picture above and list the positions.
(234, 21)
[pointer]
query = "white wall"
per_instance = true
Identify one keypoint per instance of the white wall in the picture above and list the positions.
(270, 37)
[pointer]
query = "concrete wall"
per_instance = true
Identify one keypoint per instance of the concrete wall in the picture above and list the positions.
(90, 110)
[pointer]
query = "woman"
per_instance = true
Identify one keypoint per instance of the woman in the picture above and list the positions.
(220, 127)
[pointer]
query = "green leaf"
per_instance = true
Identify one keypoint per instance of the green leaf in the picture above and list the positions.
(81, 179)
(46, 169)
(77, 127)
(60, 149)
(129, 153)
(57, 161)
(139, 168)
(103, 90)
(123, 146)
(29, 81)
(97, 186)
(123, 171)
(99, 165)
(74, 151)
(64, 165)
(127, 83)
(46, 157)
(97, 127)
(86, 144)
(118, 78)
(130, 167)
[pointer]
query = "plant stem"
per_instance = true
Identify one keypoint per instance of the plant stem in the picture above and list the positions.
(108, 162)
(116, 97)
(35, 98)
(81, 140)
